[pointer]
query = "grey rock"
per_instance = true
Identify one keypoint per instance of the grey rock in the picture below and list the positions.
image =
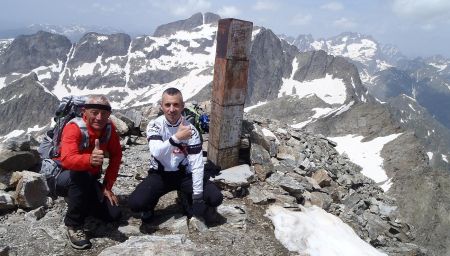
(197, 225)
(260, 196)
(237, 176)
(263, 171)
(32, 190)
(7, 201)
(35, 214)
(121, 127)
(259, 155)
(11, 161)
(22, 143)
(287, 183)
(235, 214)
(155, 245)
(322, 178)
(321, 200)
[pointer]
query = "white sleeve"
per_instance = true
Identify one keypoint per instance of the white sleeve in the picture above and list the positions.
(158, 148)
(195, 159)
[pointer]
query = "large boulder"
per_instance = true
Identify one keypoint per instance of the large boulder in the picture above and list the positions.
(31, 190)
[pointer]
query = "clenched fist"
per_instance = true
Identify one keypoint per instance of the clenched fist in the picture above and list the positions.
(184, 131)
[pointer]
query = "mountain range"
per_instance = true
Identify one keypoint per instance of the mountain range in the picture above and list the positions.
(346, 85)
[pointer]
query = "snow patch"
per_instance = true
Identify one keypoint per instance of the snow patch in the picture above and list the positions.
(444, 157)
(329, 89)
(312, 231)
(366, 154)
(101, 38)
(12, 134)
(260, 103)
(439, 67)
(430, 155)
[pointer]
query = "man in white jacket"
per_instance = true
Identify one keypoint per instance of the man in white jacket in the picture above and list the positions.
(176, 163)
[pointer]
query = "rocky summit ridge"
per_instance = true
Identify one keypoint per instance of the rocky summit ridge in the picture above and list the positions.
(280, 166)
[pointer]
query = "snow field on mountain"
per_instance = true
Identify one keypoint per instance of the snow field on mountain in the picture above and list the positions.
(367, 155)
(329, 89)
(312, 231)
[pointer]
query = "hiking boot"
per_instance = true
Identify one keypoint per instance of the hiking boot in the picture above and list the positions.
(77, 238)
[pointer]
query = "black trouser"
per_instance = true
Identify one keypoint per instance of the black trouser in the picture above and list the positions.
(158, 183)
(84, 198)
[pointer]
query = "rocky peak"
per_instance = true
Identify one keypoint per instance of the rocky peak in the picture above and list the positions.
(266, 72)
(27, 52)
(210, 17)
(22, 104)
(304, 43)
(194, 21)
(92, 45)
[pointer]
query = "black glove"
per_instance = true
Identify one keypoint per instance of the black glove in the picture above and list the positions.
(198, 205)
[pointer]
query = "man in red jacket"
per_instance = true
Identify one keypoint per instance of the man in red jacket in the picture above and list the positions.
(83, 167)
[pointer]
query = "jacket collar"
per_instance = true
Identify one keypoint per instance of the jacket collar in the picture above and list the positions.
(172, 125)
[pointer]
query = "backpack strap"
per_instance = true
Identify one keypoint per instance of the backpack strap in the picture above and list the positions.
(107, 135)
(84, 132)
(85, 135)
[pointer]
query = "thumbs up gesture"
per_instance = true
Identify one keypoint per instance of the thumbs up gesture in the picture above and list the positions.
(184, 131)
(97, 155)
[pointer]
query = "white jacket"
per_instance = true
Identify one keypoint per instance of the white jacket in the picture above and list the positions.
(170, 153)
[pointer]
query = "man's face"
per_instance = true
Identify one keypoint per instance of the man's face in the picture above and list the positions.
(172, 106)
(96, 118)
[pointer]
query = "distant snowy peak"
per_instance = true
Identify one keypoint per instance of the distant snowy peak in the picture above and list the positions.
(4, 44)
(73, 32)
(366, 52)
(440, 63)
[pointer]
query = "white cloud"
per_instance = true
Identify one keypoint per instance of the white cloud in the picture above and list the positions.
(265, 6)
(344, 23)
(423, 10)
(301, 19)
(332, 6)
(228, 11)
(183, 7)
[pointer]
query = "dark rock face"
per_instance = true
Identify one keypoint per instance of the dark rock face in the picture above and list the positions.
(391, 83)
(25, 104)
(421, 192)
(266, 62)
(368, 120)
(28, 52)
(433, 135)
(93, 44)
(290, 109)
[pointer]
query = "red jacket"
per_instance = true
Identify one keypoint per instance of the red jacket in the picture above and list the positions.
(75, 160)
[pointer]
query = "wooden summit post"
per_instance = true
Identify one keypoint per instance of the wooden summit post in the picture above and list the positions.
(229, 91)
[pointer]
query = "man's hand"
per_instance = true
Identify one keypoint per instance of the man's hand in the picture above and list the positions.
(111, 197)
(198, 205)
(184, 131)
(97, 155)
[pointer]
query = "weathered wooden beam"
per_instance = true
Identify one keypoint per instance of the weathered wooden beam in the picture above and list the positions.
(229, 91)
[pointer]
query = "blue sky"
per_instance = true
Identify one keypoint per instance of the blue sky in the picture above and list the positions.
(417, 27)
